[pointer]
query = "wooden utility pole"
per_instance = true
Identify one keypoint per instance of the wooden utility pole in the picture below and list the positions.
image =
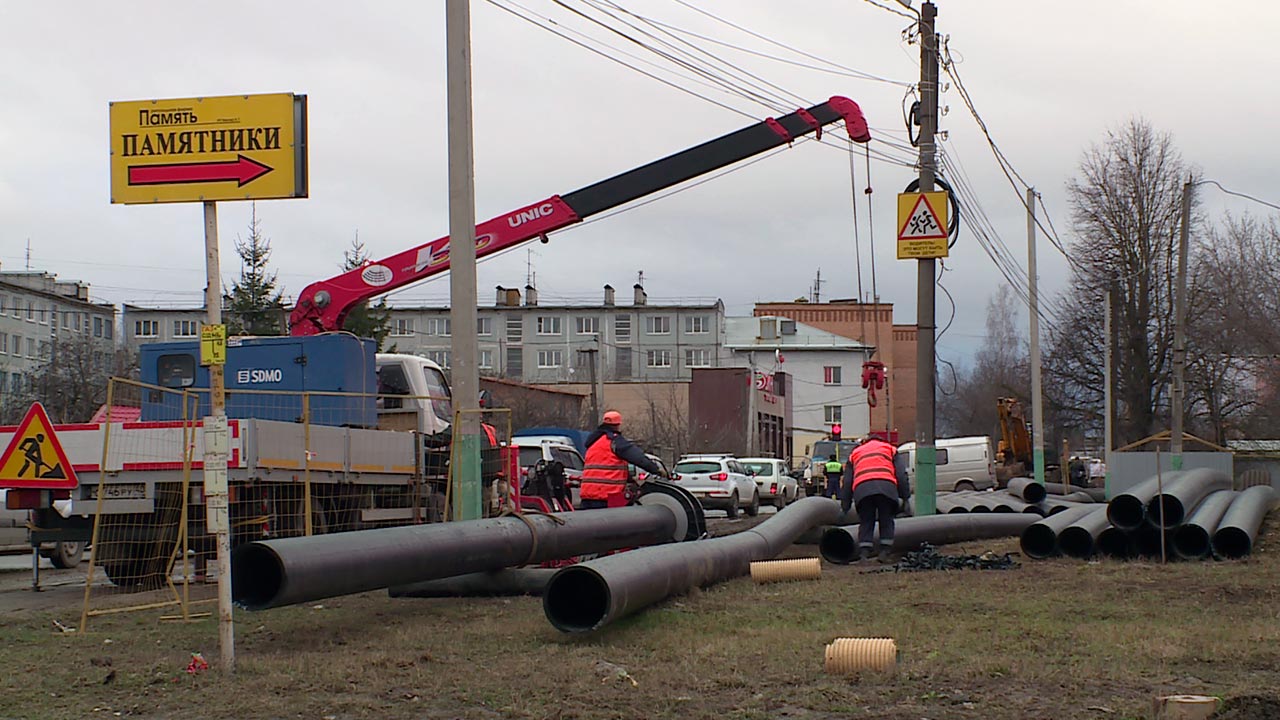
(217, 497)
(1178, 392)
(926, 363)
(1037, 400)
(1108, 389)
(462, 262)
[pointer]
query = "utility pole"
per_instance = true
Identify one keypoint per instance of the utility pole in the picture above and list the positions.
(1107, 391)
(465, 479)
(592, 353)
(217, 497)
(926, 469)
(1037, 400)
(1180, 334)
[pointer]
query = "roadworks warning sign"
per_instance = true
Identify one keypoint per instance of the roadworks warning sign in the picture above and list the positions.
(35, 458)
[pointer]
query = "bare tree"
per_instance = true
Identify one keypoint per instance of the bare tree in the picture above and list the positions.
(72, 384)
(1126, 211)
(1000, 369)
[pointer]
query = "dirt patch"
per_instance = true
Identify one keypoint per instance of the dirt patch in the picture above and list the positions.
(1250, 707)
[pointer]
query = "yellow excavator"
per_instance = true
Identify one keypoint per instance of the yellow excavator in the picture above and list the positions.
(1014, 454)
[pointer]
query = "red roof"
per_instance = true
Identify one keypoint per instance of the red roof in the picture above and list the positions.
(119, 413)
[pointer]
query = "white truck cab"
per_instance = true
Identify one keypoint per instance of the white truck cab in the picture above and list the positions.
(426, 405)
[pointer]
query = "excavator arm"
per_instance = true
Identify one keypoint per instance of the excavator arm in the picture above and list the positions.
(323, 306)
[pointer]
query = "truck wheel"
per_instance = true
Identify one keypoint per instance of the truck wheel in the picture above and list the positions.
(128, 567)
(965, 486)
(732, 510)
(754, 508)
(66, 554)
(780, 500)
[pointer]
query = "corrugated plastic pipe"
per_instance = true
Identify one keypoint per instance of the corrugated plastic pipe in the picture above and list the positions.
(1194, 539)
(850, 655)
(767, 571)
(1239, 527)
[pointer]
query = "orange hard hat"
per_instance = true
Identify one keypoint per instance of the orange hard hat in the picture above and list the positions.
(613, 417)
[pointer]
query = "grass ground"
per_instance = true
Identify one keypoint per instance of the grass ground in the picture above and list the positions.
(1052, 639)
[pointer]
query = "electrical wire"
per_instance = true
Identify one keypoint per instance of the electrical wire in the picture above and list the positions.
(1218, 185)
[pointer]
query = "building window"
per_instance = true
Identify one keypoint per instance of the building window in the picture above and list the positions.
(31, 347)
(696, 324)
(515, 329)
(97, 327)
(17, 306)
(31, 311)
(44, 349)
(43, 314)
(658, 324)
(587, 325)
(697, 358)
(831, 414)
(484, 326)
(4, 303)
(486, 360)
(623, 363)
(186, 328)
(441, 326)
(141, 328)
(548, 325)
(4, 343)
(77, 323)
(658, 358)
(17, 346)
(515, 363)
(108, 327)
(831, 375)
(439, 357)
(402, 327)
(550, 358)
(622, 329)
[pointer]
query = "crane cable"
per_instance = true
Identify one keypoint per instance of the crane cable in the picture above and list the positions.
(873, 371)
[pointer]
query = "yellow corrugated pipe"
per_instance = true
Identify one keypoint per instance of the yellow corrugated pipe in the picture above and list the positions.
(850, 655)
(766, 571)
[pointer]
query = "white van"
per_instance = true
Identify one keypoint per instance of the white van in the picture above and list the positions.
(962, 463)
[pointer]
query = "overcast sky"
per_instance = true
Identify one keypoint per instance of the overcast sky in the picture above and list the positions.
(1049, 78)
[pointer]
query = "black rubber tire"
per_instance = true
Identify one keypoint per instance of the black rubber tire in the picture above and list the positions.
(66, 554)
(732, 511)
(754, 508)
(780, 500)
(965, 486)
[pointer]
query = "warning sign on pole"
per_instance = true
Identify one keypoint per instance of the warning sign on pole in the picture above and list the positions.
(35, 458)
(922, 225)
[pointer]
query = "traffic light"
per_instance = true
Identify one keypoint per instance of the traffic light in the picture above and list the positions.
(835, 431)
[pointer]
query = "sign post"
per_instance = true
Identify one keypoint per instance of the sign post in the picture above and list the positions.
(241, 147)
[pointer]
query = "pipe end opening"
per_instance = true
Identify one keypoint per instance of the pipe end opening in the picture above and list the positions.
(838, 546)
(1114, 542)
(1076, 542)
(576, 600)
(1172, 509)
(1126, 512)
(1232, 543)
(1038, 541)
(256, 576)
(1191, 542)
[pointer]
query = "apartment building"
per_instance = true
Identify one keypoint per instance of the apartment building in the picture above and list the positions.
(142, 325)
(38, 315)
(537, 343)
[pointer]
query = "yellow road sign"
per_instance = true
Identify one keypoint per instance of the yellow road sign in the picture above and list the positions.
(922, 225)
(35, 458)
(213, 345)
(241, 147)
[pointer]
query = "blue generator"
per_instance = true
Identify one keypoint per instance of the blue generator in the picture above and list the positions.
(266, 377)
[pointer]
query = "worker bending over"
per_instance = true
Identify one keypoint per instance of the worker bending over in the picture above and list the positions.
(876, 485)
(606, 474)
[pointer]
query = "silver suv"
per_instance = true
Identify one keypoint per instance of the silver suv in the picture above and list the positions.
(720, 482)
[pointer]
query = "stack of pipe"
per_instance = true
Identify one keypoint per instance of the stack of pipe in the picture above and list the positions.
(1190, 515)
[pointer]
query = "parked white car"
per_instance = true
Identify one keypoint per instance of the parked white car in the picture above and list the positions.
(773, 480)
(720, 482)
(13, 537)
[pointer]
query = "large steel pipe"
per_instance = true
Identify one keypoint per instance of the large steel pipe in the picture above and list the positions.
(1235, 534)
(498, 583)
(840, 544)
(1128, 510)
(1194, 539)
(592, 594)
(1179, 497)
(274, 573)
(1148, 539)
(1080, 538)
(1040, 539)
(1027, 490)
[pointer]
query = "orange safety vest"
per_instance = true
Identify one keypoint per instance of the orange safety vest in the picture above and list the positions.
(604, 473)
(873, 460)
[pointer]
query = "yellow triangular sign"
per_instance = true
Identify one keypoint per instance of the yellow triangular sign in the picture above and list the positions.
(923, 223)
(35, 458)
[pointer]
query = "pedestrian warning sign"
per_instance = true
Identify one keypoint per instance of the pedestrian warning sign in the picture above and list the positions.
(922, 225)
(35, 458)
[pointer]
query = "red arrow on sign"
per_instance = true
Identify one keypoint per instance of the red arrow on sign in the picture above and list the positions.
(243, 170)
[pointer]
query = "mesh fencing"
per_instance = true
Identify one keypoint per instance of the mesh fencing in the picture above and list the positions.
(298, 464)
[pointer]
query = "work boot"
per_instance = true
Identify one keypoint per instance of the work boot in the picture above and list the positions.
(884, 555)
(864, 554)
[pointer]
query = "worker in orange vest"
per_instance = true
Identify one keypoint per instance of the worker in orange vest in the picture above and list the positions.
(875, 483)
(606, 473)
